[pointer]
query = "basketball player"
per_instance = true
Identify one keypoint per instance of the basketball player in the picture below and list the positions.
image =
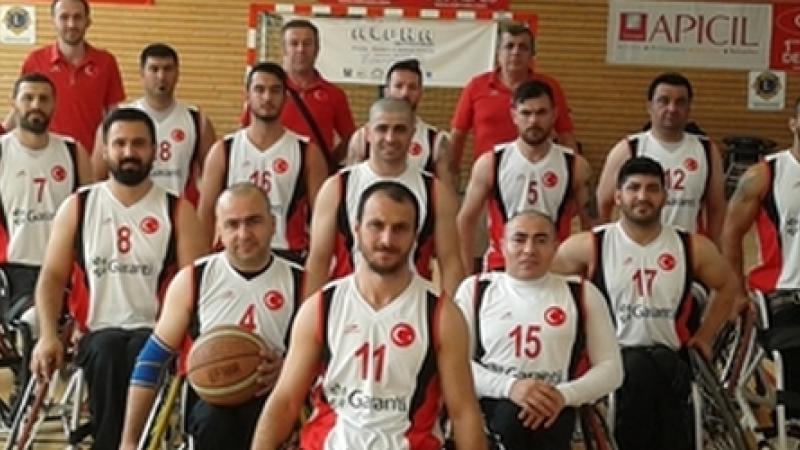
(38, 171)
(531, 172)
(430, 148)
(767, 197)
(390, 130)
(124, 237)
(692, 163)
(242, 285)
(285, 165)
(645, 270)
(532, 334)
(386, 349)
(183, 133)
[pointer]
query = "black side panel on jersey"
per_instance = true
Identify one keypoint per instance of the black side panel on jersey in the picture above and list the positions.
(498, 197)
(568, 194)
(3, 221)
(195, 115)
(706, 142)
(170, 265)
(579, 345)
(633, 146)
(426, 230)
(429, 163)
(197, 278)
(80, 257)
(769, 204)
(298, 275)
(72, 150)
(598, 277)
(326, 297)
(429, 367)
(477, 301)
(342, 218)
(227, 143)
(686, 296)
(299, 190)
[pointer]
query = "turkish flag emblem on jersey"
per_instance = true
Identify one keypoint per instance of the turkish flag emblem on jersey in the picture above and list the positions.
(555, 316)
(280, 165)
(549, 179)
(59, 173)
(403, 335)
(415, 149)
(149, 225)
(178, 135)
(666, 261)
(690, 164)
(273, 300)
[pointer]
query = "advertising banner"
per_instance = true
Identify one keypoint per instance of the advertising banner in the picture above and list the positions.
(785, 53)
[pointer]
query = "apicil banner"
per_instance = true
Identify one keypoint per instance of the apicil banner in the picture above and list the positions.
(785, 54)
(361, 50)
(689, 34)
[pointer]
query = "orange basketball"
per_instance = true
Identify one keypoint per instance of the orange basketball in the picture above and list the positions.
(223, 365)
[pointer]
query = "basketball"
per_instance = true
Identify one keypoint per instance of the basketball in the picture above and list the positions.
(223, 365)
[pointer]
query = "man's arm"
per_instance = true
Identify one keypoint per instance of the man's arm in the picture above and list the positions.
(211, 184)
(317, 171)
(83, 165)
(443, 160)
(459, 138)
(170, 330)
(323, 235)
(607, 183)
(456, 379)
(299, 369)
(446, 247)
(715, 197)
(575, 255)
(581, 192)
(48, 353)
(192, 240)
(99, 167)
(207, 138)
(344, 125)
(742, 211)
(478, 190)
(357, 148)
(714, 271)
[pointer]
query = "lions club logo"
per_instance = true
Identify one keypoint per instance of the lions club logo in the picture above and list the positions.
(415, 149)
(280, 165)
(273, 300)
(690, 164)
(666, 261)
(149, 225)
(403, 335)
(555, 316)
(59, 173)
(178, 135)
(549, 179)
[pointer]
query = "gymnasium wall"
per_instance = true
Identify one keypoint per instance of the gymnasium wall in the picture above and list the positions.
(607, 101)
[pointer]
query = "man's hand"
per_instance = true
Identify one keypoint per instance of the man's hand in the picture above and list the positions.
(702, 345)
(47, 356)
(268, 370)
(541, 403)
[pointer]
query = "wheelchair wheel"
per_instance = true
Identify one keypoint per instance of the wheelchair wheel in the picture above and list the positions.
(720, 426)
(594, 429)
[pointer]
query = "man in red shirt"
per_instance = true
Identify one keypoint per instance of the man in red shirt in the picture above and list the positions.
(326, 103)
(87, 79)
(485, 102)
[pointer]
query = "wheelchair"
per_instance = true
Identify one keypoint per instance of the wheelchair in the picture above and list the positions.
(166, 426)
(753, 346)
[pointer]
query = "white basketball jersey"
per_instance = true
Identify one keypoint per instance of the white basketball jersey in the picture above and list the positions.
(33, 183)
(648, 286)
(125, 255)
(278, 171)
(777, 226)
(264, 305)
(176, 135)
(686, 170)
(379, 388)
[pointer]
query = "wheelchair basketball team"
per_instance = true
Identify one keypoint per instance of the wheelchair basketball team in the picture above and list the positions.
(131, 224)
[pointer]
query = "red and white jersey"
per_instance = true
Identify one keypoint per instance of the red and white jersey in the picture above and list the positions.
(354, 180)
(33, 184)
(125, 256)
(264, 304)
(422, 152)
(178, 138)
(687, 170)
(647, 286)
(379, 387)
(777, 226)
(520, 185)
(281, 172)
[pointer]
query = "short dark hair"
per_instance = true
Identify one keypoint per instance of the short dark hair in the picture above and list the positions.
(672, 79)
(266, 67)
(409, 65)
(157, 50)
(301, 23)
(640, 165)
(516, 29)
(129, 115)
(84, 2)
(33, 77)
(532, 89)
(392, 189)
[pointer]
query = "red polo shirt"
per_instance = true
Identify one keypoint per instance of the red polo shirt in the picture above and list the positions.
(485, 105)
(328, 104)
(84, 92)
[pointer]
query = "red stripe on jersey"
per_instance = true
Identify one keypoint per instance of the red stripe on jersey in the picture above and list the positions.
(419, 434)
(764, 277)
(343, 257)
(564, 224)
(78, 301)
(322, 421)
(494, 259)
(190, 191)
(682, 319)
(297, 225)
(3, 243)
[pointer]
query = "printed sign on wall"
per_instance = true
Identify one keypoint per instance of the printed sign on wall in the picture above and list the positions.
(689, 34)
(785, 53)
(17, 24)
